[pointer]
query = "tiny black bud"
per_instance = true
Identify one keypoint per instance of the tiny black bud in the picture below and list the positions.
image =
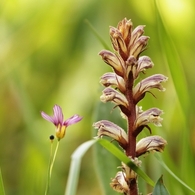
(51, 137)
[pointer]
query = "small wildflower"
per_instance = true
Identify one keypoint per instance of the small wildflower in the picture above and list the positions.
(58, 120)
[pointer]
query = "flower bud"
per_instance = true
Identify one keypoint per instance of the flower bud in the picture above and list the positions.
(131, 65)
(121, 45)
(125, 28)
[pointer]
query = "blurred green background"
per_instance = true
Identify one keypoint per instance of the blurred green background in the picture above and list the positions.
(49, 55)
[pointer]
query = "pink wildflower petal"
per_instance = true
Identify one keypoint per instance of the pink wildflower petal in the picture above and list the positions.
(58, 115)
(47, 117)
(72, 120)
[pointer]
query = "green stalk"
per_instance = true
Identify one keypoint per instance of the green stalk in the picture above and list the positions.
(51, 163)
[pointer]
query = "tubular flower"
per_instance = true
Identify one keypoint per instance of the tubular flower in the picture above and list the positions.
(150, 143)
(148, 83)
(58, 120)
(136, 34)
(107, 128)
(119, 183)
(112, 95)
(130, 174)
(151, 115)
(144, 62)
(115, 61)
(112, 79)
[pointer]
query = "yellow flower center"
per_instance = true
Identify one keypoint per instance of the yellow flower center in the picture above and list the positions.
(60, 131)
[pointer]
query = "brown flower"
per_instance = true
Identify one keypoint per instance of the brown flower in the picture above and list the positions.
(150, 143)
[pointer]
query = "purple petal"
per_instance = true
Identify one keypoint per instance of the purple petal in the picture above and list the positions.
(58, 115)
(48, 118)
(72, 120)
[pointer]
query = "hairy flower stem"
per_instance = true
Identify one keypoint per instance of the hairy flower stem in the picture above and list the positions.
(131, 148)
(133, 187)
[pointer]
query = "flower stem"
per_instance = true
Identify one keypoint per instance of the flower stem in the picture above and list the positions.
(51, 163)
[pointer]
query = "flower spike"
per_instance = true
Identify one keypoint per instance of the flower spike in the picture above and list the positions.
(123, 88)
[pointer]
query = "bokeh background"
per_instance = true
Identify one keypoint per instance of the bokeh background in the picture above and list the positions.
(49, 55)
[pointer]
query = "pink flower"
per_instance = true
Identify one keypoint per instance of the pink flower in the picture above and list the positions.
(58, 120)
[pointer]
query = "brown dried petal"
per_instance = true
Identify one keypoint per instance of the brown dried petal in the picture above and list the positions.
(137, 32)
(107, 128)
(122, 48)
(130, 174)
(125, 27)
(148, 83)
(119, 183)
(139, 46)
(113, 30)
(150, 143)
(114, 61)
(118, 42)
(110, 94)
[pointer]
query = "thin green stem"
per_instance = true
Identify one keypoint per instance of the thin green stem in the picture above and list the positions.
(51, 163)
(54, 157)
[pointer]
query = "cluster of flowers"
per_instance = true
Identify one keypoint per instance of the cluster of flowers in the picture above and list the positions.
(123, 89)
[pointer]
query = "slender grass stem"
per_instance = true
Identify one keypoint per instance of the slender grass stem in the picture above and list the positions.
(51, 163)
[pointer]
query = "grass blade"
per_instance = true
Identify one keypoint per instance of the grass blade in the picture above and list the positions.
(172, 174)
(101, 40)
(2, 191)
(75, 167)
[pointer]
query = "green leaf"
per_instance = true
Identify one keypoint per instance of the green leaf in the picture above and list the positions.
(159, 188)
(82, 149)
(2, 191)
(75, 167)
(172, 174)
